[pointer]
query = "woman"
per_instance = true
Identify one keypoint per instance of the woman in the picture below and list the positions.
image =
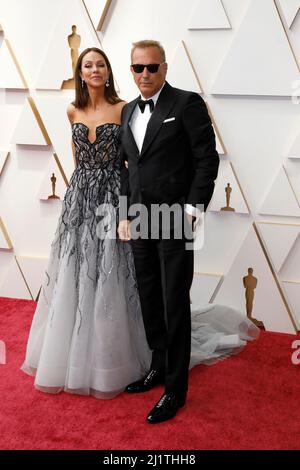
(87, 334)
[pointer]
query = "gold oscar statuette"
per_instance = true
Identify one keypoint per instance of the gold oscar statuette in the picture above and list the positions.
(74, 41)
(250, 283)
(228, 190)
(53, 183)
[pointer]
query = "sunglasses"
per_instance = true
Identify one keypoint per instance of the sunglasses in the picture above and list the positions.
(152, 68)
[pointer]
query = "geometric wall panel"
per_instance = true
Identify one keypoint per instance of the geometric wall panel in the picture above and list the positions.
(290, 270)
(5, 257)
(292, 290)
(5, 241)
(294, 152)
(209, 14)
(182, 73)
(292, 168)
(28, 131)
(290, 9)
(220, 147)
(219, 144)
(4, 154)
(226, 197)
(256, 129)
(13, 284)
(279, 240)
(9, 116)
(269, 305)
(204, 287)
(260, 60)
(280, 198)
(33, 270)
(11, 75)
(58, 128)
(57, 65)
(53, 186)
(97, 10)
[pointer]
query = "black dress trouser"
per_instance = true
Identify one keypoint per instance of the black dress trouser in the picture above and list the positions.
(164, 270)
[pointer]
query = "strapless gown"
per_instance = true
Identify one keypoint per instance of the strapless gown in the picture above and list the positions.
(87, 334)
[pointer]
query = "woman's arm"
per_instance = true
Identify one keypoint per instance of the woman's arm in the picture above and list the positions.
(71, 111)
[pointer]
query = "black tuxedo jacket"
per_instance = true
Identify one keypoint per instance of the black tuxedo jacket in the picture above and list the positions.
(178, 161)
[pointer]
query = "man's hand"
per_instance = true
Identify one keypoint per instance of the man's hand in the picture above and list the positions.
(124, 231)
(190, 219)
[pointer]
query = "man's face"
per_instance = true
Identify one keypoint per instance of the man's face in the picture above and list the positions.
(147, 82)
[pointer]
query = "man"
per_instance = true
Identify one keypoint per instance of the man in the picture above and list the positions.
(169, 144)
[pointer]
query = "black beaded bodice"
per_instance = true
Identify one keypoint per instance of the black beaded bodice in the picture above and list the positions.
(103, 152)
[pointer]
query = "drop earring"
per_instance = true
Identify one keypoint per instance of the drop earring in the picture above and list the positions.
(82, 82)
(107, 83)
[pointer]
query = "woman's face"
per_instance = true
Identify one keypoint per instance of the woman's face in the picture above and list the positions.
(94, 70)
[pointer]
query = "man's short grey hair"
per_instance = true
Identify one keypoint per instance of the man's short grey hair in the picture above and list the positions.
(148, 43)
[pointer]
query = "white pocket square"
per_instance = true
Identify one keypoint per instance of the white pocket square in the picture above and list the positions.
(168, 120)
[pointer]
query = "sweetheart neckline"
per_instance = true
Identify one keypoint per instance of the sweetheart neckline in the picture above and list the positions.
(96, 128)
(100, 125)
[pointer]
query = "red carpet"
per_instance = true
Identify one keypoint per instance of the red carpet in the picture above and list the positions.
(250, 401)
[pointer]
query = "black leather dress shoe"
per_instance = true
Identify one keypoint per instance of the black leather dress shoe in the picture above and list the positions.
(153, 378)
(166, 408)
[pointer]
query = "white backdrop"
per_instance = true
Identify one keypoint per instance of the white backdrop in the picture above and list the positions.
(242, 56)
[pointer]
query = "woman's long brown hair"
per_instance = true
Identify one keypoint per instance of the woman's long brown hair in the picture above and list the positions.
(81, 92)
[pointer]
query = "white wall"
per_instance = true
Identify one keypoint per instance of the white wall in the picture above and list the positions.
(246, 74)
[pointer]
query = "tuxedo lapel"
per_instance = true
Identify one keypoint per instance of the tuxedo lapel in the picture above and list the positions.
(126, 127)
(163, 106)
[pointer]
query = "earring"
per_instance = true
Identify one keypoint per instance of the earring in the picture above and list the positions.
(107, 83)
(82, 82)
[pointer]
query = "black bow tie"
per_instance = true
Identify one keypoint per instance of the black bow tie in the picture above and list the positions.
(142, 104)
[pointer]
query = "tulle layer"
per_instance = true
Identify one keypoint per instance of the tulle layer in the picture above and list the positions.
(218, 331)
(87, 334)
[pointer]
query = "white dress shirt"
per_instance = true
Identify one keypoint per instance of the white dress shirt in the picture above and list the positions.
(139, 121)
(138, 124)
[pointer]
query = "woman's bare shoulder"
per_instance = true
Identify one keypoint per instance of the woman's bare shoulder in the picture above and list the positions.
(121, 104)
(71, 112)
